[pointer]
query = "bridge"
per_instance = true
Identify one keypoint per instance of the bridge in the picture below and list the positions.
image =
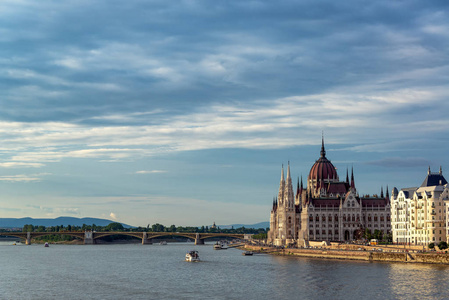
(89, 237)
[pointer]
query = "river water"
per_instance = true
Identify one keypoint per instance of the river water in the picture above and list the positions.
(135, 271)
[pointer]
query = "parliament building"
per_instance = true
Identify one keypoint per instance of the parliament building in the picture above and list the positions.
(327, 209)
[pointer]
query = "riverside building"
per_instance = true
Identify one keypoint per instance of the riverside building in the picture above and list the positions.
(419, 214)
(326, 210)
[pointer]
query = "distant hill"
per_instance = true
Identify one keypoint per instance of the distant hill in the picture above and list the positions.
(18, 223)
(263, 225)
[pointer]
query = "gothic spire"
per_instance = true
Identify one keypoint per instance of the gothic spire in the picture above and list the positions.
(347, 176)
(381, 192)
(352, 178)
(297, 188)
(323, 152)
(282, 173)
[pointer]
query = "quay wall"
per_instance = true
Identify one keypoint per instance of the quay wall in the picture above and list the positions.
(428, 258)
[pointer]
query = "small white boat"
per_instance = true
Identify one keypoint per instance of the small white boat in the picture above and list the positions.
(46, 244)
(247, 253)
(163, 243)
(192, 256)
(220, 246)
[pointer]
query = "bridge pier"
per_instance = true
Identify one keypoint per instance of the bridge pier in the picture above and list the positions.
(89, 238)
(146, 240)
(28, 239)
(198, 241)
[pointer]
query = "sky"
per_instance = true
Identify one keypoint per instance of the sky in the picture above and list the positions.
(183, 112)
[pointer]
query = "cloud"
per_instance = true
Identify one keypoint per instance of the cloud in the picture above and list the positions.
(401, 162)
(113, 216)
(150, 171)
(19, 178)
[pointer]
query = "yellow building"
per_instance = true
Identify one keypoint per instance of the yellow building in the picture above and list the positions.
(418, 215)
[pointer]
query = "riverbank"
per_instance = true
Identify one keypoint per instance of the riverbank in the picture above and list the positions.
(363, 255)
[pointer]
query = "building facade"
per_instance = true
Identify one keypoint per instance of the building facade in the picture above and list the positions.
(327, 209)
(419, 214)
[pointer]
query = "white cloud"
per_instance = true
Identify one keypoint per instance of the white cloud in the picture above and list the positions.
(150, 171)
(113, 216)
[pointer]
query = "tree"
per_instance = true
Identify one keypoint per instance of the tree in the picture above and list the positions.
(158, 227)
(431, 245)
(115, 226)
(442, 245)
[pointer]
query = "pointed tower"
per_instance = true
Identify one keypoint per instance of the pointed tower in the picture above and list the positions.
(347, 176)
(288, 192)
(352, 178)
(381, 192)
(281, 187)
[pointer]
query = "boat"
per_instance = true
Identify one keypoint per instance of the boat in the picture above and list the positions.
(163, 243)
(247, 253)
(220, 246)
(46, 244)
(192, 256)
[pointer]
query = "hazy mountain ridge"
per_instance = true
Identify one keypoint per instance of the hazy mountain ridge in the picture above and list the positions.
(20, 222)
(263, 225)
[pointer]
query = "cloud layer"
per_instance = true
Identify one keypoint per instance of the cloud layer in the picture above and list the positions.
(120, 82)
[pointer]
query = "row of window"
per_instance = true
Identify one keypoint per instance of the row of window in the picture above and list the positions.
(354, 218)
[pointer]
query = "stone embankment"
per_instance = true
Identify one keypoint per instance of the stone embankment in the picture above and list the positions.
(363, 254)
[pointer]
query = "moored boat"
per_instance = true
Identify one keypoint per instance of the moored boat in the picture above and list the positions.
(220, 246)
(247, 253)
(163, 243)
(192, 256)
(46, 244)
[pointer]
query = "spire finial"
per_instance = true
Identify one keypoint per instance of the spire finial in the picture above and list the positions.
(441, 171)
(428, 172)
(323, 152)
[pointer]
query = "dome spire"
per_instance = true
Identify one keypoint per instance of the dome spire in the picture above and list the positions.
(323, 152)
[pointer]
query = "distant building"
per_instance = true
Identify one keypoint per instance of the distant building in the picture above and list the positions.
(326, 210)
(419, 214)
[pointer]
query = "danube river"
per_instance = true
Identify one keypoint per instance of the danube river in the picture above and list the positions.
(135, 271)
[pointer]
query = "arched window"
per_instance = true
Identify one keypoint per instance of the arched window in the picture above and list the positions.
(330, 218)
(330, 232)
(336, 231)
(310, 232)
(388, 218)
(375, 217)
(323, 218)
(310, 218)
(317, 218)
(353, 218)
(382, 218)
(369, 217)
(336, 218)
(289, 220)
(344, 218)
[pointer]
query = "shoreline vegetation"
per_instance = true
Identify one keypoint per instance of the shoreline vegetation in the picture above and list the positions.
(118, 227)
(381, 253)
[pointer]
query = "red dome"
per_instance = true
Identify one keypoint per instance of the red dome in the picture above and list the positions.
(322, 168)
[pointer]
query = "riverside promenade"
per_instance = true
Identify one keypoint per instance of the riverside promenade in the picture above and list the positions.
(357, 252)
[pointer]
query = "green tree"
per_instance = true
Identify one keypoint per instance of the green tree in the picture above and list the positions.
(158, 227)
(114, 227)
(431, 246)
(442, 245)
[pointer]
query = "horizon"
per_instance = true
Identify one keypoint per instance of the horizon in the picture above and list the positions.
(183, 113)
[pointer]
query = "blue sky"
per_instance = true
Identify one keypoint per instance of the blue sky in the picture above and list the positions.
(182, 112)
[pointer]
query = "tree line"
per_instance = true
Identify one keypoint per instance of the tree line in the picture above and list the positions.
(115, 226)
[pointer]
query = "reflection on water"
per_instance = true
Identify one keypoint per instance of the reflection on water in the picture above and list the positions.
(160, 272)
(418, 281)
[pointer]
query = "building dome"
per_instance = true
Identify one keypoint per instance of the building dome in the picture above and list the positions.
(322, 169)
